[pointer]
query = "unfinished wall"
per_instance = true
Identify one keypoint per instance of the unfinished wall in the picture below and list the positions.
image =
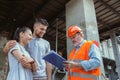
(107, 49)
(109, 62)
(3, 59)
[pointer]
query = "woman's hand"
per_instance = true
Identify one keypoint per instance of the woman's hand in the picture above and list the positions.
(28, 63)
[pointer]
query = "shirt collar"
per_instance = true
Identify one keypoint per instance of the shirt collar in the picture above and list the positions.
(77, 47)
(36, 38)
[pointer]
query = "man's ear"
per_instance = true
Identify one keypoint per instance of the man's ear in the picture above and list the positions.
(35, 25)
(81, 34)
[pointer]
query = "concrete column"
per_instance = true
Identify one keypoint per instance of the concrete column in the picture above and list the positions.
(82, 13)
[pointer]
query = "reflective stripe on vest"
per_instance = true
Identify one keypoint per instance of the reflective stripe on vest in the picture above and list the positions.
(83, 75)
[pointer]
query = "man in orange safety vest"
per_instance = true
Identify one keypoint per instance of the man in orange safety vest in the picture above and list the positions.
(83, 62)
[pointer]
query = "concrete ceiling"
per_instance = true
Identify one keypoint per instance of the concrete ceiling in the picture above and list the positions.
(17, 13)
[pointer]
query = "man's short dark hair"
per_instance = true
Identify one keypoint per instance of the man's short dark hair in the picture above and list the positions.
(41, 21)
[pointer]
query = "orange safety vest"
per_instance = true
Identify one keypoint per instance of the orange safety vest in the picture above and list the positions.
(81, 55)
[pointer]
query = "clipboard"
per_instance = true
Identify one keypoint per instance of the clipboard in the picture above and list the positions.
(55, 59)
